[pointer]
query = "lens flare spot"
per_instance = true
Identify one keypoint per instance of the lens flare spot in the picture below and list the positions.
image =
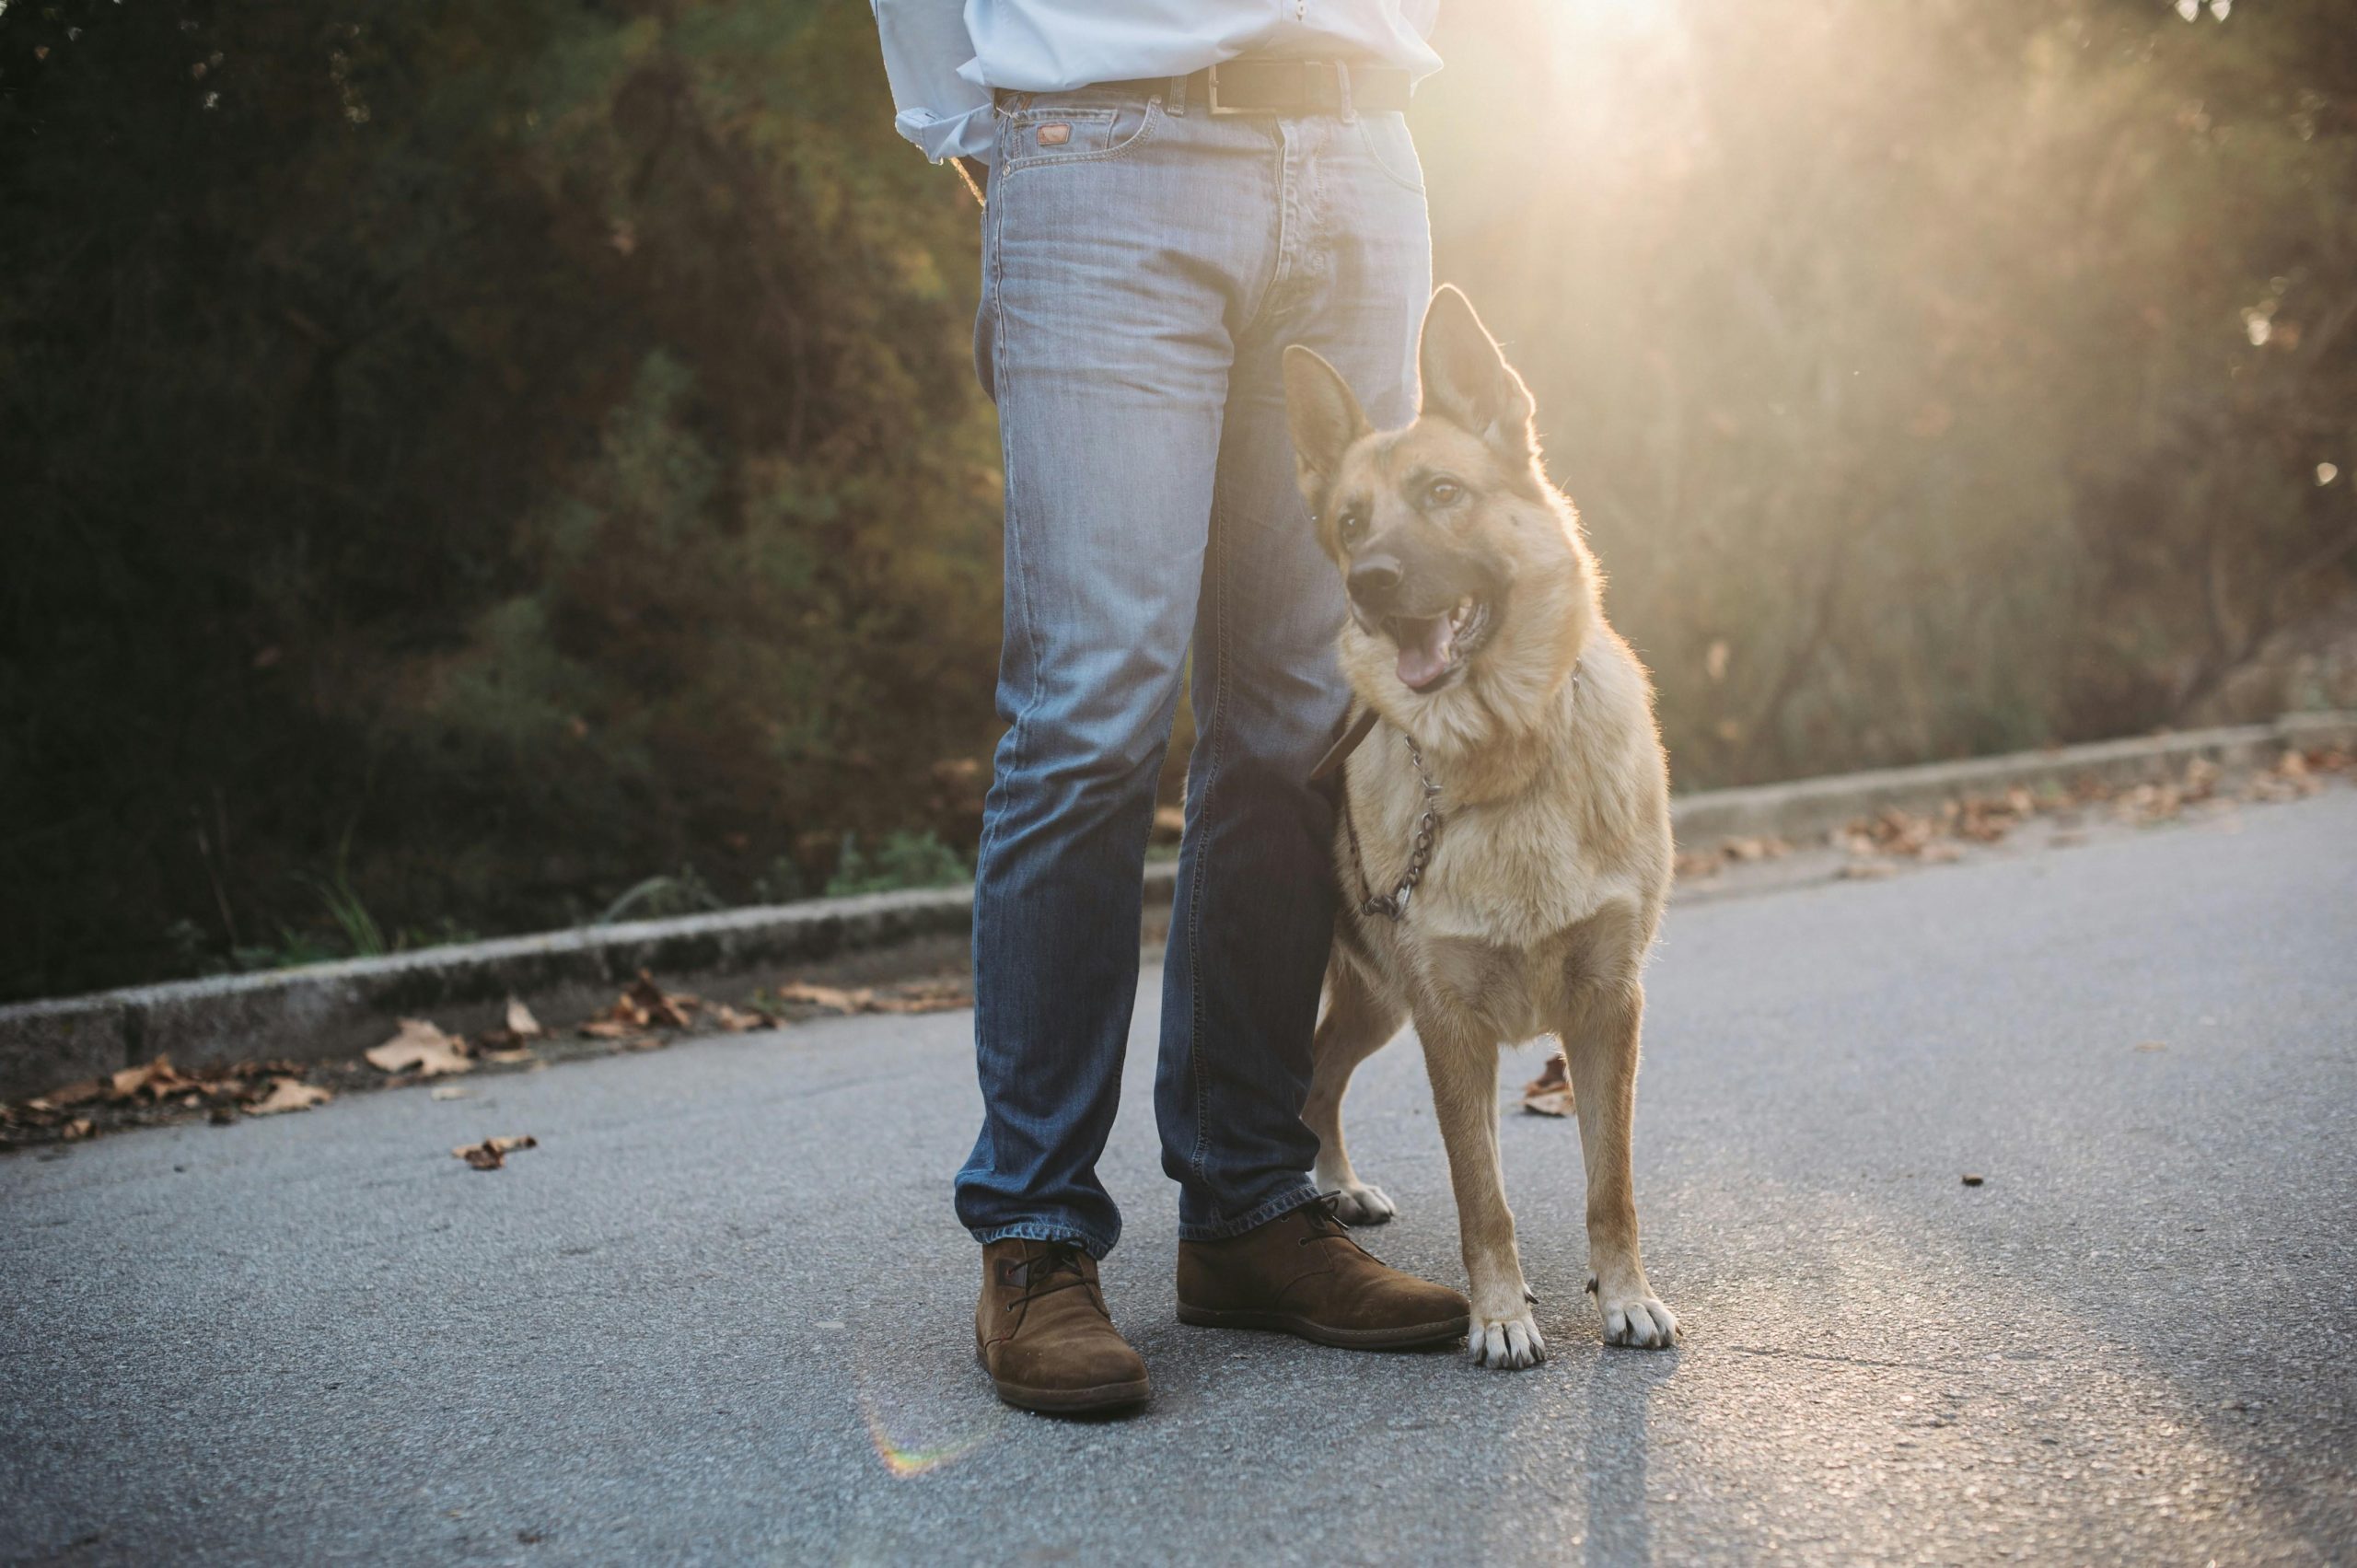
(902, 1458)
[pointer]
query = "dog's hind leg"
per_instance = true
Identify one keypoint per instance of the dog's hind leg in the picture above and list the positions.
(1600, 1042)
(1356, 1024)
(1464, 1068)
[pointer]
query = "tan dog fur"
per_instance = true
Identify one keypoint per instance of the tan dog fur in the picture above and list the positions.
(1550, 869)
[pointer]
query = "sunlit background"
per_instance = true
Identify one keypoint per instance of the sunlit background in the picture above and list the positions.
(479, 468)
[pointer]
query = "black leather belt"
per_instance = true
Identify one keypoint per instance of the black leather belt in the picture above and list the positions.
(1274, 86)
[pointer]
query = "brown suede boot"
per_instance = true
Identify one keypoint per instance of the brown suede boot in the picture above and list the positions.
(1301, 1274)
(1042, 1333)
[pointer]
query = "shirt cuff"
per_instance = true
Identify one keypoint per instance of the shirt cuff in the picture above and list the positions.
(971, 134)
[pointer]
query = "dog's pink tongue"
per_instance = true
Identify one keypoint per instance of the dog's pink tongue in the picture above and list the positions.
(1424, 648)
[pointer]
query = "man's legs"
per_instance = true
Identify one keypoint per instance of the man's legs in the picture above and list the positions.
(1129, 284)
(1255, 907)
(1108, 297)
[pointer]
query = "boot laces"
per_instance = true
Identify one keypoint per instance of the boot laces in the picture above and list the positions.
(1054, 1267)
(1324, 1224)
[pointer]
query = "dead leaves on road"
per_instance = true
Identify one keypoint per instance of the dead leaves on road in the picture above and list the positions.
(491, 1153)
(1879, 844)
(645, 1017)
(1695, 864)
(920, 997)
(156, 1092)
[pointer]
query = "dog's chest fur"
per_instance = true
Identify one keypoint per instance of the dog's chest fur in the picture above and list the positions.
(1526, 899)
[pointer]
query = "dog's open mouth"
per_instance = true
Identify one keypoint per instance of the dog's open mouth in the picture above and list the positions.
(1434, 648)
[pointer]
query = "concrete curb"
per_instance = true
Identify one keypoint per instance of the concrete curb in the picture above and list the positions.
(329, 1011)
(1806, 807)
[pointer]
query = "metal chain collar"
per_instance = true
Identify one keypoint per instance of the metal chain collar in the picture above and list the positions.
(1394, 904)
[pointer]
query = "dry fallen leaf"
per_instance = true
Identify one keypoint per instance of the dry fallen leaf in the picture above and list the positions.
(422, 1049)
(505, 1043)
(655, 1005)
(288, 1094)
(643, 1006)
(158, 1080)
(945, 993)
(923, 999)
(1971, 1179)
(1549, 1094)
(491, 1153)
(1865, 870)
(735, 1022)
(833, 998)
(74, 1094)
(1697, 864)
(937, 996)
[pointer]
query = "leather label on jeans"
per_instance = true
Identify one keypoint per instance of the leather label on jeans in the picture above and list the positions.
(1054, 136)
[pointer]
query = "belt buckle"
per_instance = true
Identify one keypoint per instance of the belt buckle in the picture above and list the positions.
(1210, 93)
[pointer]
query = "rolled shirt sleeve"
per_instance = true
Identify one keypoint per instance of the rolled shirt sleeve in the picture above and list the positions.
(924, 43)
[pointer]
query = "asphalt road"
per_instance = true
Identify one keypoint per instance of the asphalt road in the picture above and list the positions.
(722, 1313)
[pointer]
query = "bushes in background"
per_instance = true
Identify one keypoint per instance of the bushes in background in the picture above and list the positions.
(471, 467)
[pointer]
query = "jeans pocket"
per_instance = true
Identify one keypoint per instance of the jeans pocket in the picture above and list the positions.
(1068, 131)
(1391, 148)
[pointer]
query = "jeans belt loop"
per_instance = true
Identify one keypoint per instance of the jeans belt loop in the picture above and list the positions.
(1347, 111)
(1176, 102)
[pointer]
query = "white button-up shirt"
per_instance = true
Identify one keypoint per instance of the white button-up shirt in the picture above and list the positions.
(944, 57)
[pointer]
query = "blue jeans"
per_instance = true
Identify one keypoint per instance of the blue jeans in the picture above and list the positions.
(1144, 265)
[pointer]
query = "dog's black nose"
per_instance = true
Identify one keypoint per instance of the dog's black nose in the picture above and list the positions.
(1374, 580)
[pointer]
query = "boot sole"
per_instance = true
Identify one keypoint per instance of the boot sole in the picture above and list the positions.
(1068, 1401)
(1402, 1338)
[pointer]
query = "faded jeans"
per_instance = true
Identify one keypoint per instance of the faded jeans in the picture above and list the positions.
(1143, 268)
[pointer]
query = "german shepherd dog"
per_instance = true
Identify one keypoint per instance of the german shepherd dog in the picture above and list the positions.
(1504, 839)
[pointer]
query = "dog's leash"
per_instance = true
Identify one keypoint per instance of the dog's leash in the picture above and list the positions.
(1340, 753)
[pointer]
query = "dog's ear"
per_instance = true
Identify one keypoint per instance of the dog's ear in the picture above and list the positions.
(1467, 381)
(1325, 416)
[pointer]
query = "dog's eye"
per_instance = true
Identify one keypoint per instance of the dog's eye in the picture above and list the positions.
(1441, 492)
(1350, 525)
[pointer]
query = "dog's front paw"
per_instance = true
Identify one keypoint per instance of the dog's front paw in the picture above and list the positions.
(1357, 1203)
(1638, 1320)
(1507, 1343)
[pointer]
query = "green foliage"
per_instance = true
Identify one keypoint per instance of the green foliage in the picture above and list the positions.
(901, 860)
(658, 898)
(362, 939)
(531, 444)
